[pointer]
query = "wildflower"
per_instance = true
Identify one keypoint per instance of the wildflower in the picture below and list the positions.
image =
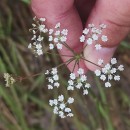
(57, 38)
(109, 72)
(9, 80)
(61, 107)
(53, 77)
(93, 35)
(104, 38)
(78, 82)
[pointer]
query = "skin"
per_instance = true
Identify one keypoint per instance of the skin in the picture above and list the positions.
(75, 15)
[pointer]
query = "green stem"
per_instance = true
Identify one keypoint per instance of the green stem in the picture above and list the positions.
(74, 65)
(69, 47)
(90, 62)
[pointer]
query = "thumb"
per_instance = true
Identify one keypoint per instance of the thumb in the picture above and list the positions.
(115, 15)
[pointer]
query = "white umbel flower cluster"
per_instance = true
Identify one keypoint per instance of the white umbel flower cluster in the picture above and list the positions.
(57, 37)
(78, 82)
(109, 71)
(9, 79)
(92, 35)
(61, 107)
(53, 78)
(38, 28)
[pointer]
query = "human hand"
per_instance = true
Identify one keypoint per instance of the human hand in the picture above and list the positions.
(115, 14)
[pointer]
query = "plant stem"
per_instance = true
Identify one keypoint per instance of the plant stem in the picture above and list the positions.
(90, 62)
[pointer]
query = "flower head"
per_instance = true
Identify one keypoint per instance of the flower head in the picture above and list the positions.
(109, 72)
(61, 107)
(9, 80)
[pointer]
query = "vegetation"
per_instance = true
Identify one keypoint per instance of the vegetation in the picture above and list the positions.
(25, 105)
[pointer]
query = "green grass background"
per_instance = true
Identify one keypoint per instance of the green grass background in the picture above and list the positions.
(25, 105)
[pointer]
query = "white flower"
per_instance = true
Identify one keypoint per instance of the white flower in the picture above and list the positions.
(82, 38)
(83, 78)
(94, 30)
(57, 33)
(62, 106)
(67, 110)
(103, 77)
(107, 66)
(71, 82)
(56, 77)
(70, 115)
(51, 31)
(61, 114)
(56, 39)
(64, 32)
(39, 52)
(50, 38)
(57, 25)
(70, 100)
(80, 71)
(34, 37)
(54, 71)
(113, 61)
(59, 46)
(70, 87)
(55, 102)
(40, 38)
(9, 80)
(107, 84)
(51, 46)
(50, 87)
(89, 41)
(72, 76)
(45, 30)
(34, 25)
(63, 39)
(42, 19)
(116, 77)
(95, 37)
(108, 72)
(38, 46)
(55, 110)
(104, 38)
(56, 84)
(87, 85)
(51, 103)
(30, 46)
(85, 92)
(79, 85)
(98, 46)
(79, 81)
(113, 70)
(90, 25)
(50, 80)
(97, 72)
(103, 26)
(121, 68)
(85, 31)
(110, 77)
(41, 28)
(61, 98)
(100, 61)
